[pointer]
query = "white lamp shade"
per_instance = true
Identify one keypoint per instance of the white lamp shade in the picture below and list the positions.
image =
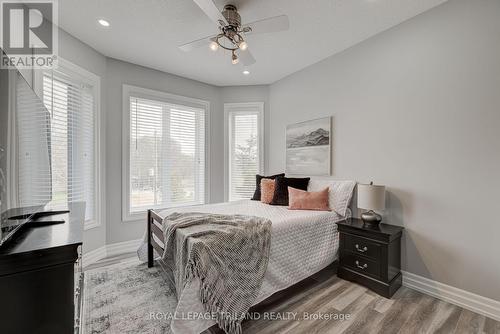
(371, 197)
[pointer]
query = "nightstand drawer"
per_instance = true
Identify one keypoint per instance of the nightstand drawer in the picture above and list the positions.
(361, 264)
(363, 246)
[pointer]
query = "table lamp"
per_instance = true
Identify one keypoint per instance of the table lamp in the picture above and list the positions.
(372, 198)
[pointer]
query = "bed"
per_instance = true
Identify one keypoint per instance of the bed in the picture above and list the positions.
(302, 243)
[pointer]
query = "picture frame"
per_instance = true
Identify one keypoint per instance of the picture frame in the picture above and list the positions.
(308, 147)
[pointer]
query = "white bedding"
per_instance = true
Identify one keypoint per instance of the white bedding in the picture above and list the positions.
(303, 242)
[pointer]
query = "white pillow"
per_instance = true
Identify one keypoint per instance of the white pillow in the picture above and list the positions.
(339, 196)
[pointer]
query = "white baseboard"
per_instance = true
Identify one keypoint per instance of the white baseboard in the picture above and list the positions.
(110, 250)
(93, 256)
(476, 303)
(123, 247)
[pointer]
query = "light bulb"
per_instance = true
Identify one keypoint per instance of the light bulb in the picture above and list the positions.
(243, 45)
(246, 72)
(214, 46)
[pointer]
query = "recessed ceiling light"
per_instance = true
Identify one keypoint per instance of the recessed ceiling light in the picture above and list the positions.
(103, 22)
(246, 72)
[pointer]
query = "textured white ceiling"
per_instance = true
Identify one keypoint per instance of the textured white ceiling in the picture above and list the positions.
(148, 32)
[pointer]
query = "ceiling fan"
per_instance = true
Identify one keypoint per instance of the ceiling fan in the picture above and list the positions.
(232, 32)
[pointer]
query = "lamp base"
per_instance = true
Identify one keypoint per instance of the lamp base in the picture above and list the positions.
(371, 217)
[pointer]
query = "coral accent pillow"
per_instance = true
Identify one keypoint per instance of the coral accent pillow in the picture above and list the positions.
(308, 200)
(340, 193)
(258, 178)
(266, 190)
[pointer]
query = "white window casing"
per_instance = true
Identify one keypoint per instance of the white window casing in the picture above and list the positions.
(165, 151)
(72, 98)
(244, 148)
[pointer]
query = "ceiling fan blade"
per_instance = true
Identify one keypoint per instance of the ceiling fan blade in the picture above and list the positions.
(197, 44)
(246, 57)
(271, 24)
(211, 10)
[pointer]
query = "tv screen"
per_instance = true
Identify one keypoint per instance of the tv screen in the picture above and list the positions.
(25, 159)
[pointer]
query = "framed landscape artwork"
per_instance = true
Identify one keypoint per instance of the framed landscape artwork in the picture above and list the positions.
(308, 147)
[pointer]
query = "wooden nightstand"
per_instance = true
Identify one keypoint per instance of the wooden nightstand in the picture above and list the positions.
(370, 256)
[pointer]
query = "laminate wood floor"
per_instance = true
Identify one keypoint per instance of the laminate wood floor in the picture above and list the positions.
(326, 295)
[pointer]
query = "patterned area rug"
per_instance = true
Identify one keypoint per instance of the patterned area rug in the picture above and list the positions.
(122, 298)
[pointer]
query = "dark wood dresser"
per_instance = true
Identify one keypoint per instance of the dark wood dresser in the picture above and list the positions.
(41, 278)
(370, 255)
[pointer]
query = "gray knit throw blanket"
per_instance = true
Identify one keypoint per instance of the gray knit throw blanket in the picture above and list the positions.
(228, 253)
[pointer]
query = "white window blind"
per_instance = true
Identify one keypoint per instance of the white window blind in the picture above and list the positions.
(71, 104)
(245, 152)
(33, 132)
(167, 154)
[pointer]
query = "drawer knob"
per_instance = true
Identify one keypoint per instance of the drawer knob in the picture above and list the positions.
(359, 249)
(361, 266)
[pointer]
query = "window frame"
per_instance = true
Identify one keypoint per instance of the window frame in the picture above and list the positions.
(70, 69)
(139, 92)
(241, 108)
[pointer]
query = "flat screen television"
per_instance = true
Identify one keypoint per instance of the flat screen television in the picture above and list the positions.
(25, 157)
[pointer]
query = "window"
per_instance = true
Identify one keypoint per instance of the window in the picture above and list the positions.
(30, 138)
(71, 96)
(166, 151)
(244, 148)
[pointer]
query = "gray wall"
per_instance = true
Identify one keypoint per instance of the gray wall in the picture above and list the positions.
(119, 73)
(417, 108)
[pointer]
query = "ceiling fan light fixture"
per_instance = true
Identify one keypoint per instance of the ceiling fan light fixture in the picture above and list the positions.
(243, 45)
(214, 46)
(232, 33)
